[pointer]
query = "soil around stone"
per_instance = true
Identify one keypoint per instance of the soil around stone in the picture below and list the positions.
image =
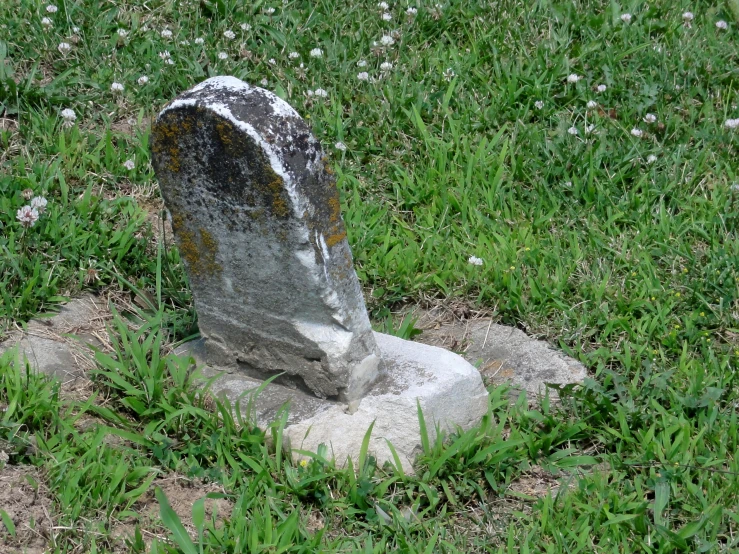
(29, 507)
(182, 493)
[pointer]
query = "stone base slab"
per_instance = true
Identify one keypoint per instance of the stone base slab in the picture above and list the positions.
(447, 387)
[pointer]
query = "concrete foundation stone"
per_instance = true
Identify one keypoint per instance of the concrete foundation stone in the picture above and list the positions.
(448, 389)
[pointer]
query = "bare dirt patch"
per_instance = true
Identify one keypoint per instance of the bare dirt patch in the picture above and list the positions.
(538, 482)
(24, 498)
(182, 493)
(8, 124)
(131, 124)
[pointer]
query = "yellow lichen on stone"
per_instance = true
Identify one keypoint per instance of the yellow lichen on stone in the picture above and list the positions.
(279, 206)
(327, 169)
(274, 187)
(224, 130)
(198, 249)
(334, 209)
(335, 225)
(166, 140)
(335, 239)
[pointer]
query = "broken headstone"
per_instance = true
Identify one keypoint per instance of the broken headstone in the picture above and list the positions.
(256, 217)
(255, 212)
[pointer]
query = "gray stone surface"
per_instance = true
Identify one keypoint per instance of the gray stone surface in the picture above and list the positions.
(48, 355)
(506, 355)
(256, 217)
(58, 345)
(448, 388)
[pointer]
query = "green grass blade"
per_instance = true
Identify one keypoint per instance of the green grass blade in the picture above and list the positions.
(425, 443)
(8, 522)
(172, 522)
(362, 460)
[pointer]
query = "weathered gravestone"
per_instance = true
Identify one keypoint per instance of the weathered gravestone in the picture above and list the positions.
(255, 212)
(256, 217)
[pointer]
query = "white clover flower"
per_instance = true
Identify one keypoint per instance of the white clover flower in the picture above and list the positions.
(382, 5)
(64, 47)
(601, 88)
(734, 187)
(46, 22)
(448, 74)
(573, 131)
(387, 40)
(165, 55)
(320, 93)
(293, 55)
(142, 80)
(474, 260)
(590, 129)
(69, 117)
(539, 104)
(637, 132)
(362, 63)
(340, 146)
(731, 123)
(184, 43)
(316, 53)
(264, 82)
(411, 11)
(222, 56)
(122, 33)
(51, 8)
(39, 204)
(117, 87)
(650, 118)
(591, 105)
(568, 184)
(169, 61)
(688, 16)
(363, 76)
(722, 25)
(229, 34)
(245, 27)
(626, 17)
(272, 61)
(573, 78)
(27, 215)
(386, 66)
(269, 11)
(129, 165)
(651, 159)
(75, 30)
(199, 40)
(166, 33)
(387, 17)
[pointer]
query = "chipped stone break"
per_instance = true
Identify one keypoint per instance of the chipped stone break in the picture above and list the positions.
(256, 216)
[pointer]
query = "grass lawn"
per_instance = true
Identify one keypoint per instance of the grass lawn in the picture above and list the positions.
(569, 167)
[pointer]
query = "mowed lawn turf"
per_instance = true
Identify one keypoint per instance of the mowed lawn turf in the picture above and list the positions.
(567, 167)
